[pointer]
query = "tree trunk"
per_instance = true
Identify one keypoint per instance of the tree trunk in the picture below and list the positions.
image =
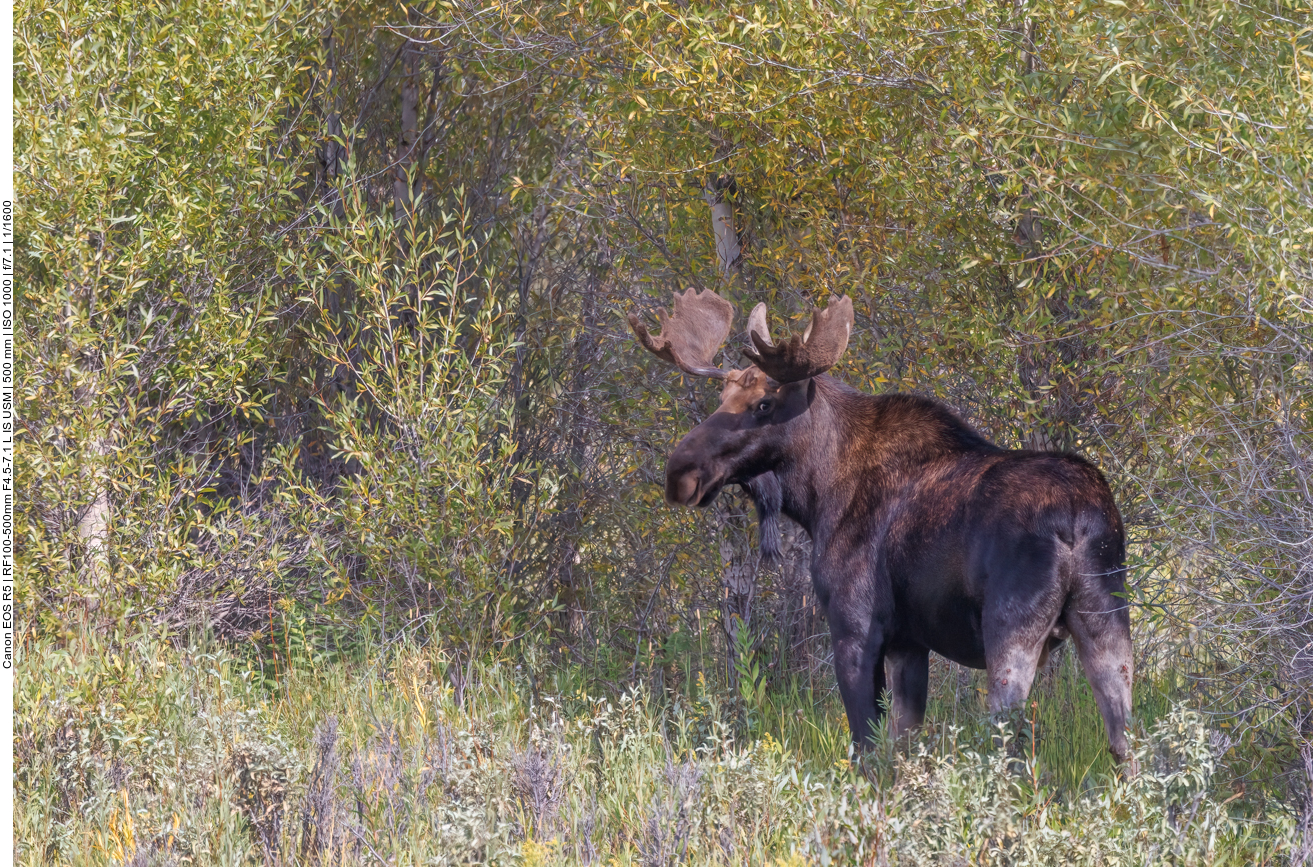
(333, 147)
(93, 524)
(331, 378)
(738, 576)
(728, 255)
(1025, 30)
(405, 177)
(738, 560)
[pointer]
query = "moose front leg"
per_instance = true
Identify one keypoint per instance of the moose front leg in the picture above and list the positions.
(859, 668)
(860, 673)
(859, 619)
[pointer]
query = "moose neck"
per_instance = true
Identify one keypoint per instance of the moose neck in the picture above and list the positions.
(853, 446)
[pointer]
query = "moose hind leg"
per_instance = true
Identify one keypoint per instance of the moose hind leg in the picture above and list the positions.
(908, 671)
(1102, 634)
(1012, 654)
(1011, 670)
(1025, 577)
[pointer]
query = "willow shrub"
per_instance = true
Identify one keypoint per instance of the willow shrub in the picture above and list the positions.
(241, 409)
(418, 532)
(148, 169)
(1084, 225)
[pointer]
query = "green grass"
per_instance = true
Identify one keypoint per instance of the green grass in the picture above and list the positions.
(133, 751)
(1071, 740)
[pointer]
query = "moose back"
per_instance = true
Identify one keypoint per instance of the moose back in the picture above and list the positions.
(926, 536)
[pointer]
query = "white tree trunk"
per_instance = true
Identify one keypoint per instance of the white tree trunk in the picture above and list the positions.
(722, 224)
(738, 560)
(93, 525)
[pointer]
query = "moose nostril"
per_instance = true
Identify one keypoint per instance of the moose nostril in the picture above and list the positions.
(684, 489)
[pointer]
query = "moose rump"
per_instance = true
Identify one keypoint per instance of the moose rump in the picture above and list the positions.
(1021, 551)
(926, 536)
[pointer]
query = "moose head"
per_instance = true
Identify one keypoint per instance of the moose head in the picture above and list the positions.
(763, 408)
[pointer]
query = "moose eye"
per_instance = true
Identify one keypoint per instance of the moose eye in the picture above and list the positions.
(763, 407)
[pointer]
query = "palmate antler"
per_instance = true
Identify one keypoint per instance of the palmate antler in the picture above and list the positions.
(692, 334)
(800, 358)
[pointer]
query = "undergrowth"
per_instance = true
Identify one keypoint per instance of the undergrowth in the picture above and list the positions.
(137, 752)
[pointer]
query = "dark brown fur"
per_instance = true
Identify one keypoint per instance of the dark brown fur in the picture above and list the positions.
(926, 536)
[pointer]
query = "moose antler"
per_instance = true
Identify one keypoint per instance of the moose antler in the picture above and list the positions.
(800, 358)
(691, 335)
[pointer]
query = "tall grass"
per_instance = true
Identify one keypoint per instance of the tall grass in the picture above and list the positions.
(133, 751)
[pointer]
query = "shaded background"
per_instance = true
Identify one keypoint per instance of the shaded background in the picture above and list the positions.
(322, 337)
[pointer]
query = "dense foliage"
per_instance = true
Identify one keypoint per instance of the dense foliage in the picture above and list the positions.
(322, 339)
(382, 761)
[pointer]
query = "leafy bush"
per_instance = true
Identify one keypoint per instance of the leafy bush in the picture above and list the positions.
(417, 533)
(139, 752)
(240, 410)
(954, 804)
(147, 156)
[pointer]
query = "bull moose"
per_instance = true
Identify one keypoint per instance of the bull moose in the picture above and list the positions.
(926, 536)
